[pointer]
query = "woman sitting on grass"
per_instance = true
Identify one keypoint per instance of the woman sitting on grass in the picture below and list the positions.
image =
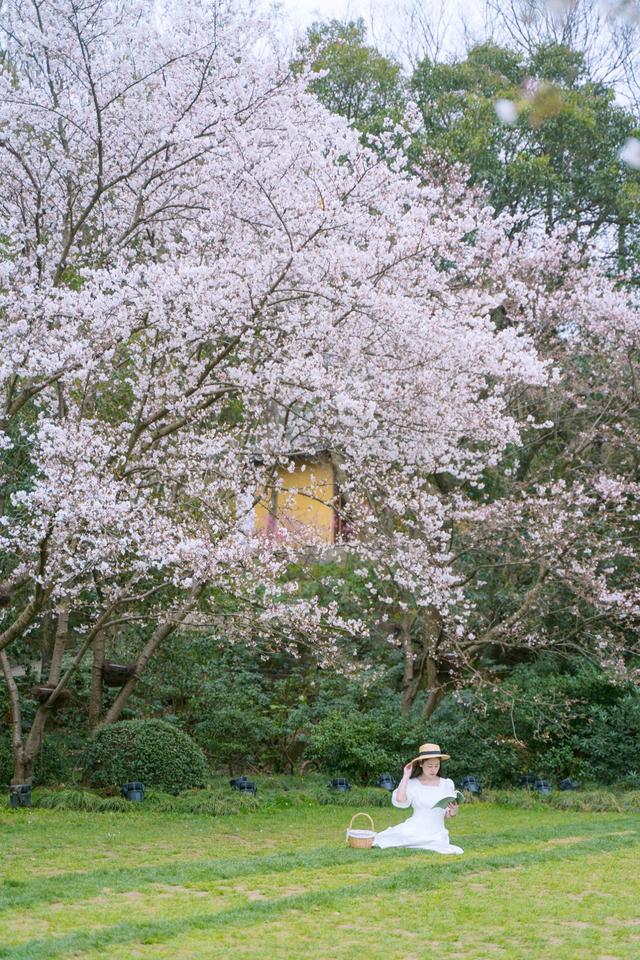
(421, 787)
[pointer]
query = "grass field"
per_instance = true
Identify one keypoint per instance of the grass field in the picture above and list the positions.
(281, 884)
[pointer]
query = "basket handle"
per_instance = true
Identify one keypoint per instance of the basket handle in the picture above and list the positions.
(361, 815)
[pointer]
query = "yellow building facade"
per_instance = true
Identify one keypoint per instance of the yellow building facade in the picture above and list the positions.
(303, 503)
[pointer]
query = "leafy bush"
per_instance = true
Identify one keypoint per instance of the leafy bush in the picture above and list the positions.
(149, 750)
(56, 763)
(61, 758)
(611, 743)
(235, 726)
(361, 745)
(544, 719)
(6, 761)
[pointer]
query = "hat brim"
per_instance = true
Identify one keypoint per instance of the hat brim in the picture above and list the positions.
(431, 756)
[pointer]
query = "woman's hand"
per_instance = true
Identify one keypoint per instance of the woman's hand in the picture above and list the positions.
(451, 811)
(406, 771)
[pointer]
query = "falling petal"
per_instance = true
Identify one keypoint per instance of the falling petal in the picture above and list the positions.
(506, 111)
(629, 152)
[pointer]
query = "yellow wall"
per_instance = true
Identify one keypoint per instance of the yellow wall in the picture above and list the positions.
(303, 504)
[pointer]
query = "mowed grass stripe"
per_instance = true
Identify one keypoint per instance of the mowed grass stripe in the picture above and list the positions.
(526, 913)
(410, 880)
(55, 843)
(75, 886)
(172, 900)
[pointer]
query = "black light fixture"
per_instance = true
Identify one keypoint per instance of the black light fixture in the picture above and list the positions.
(386, 781)
(542, 786)
(527, 780)
(20, 795)
(340, 784)
(247, 786)
(471, 784)
(568, 784)
(133, 791)
(243, 784)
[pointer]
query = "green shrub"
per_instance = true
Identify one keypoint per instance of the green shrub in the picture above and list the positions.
(547, 719)
(61, 758)
(6, 761)
(361, 745)
(234, 732)
(475, 744)
(56, 763)
(220, 695)
(611, 744)
(152, 751)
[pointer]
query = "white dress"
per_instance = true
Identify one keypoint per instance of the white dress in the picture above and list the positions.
(425, 830)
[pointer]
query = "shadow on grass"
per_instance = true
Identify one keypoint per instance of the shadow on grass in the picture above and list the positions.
(416, 878)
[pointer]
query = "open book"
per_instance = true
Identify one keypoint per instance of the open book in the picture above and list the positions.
(444, 803)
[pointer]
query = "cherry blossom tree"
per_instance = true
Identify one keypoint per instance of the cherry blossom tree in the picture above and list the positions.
(542, 553)
(202, 271)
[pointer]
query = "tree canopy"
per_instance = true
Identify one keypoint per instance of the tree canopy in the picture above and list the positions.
(207, 271)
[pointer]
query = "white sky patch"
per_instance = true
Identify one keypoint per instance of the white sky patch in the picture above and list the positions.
(384, 19)
(301, 13)
(441, 29)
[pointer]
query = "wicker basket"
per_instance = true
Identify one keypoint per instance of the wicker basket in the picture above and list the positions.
(361, 839)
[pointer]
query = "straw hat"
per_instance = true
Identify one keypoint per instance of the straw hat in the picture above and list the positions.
(430, 751)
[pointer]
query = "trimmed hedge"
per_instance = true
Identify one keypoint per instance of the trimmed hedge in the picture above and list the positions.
(149, 750)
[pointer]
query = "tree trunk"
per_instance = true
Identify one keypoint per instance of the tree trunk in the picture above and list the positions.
(161, 632)
(622, 242)
(549, 211)
(436, 690)
(413, 679)
(28, 754)
(406, 645)
(59, 644)
(432, 634)
(25, 752)
(25, 618)
(95, 696)
(48, 635)
(21, 772)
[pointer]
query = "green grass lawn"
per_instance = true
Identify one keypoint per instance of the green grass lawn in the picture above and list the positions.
(281, 884)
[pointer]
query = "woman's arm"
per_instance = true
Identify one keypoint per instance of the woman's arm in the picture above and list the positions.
(399, 796)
